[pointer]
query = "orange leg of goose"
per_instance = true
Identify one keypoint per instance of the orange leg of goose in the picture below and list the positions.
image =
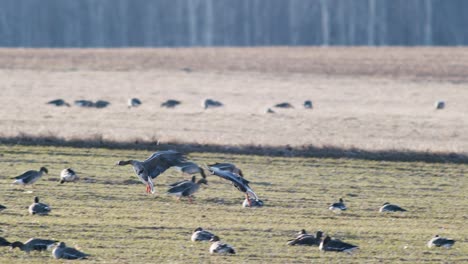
(248, 200)
(190, 199)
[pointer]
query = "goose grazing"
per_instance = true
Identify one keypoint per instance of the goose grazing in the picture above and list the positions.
(61, 251)
(153, 166)
(438, 241)
(30, 177)
(36, 244)
(84, 103)
(170, 103)
(58, 102)
(210, 103)
(199, 234)
(439, 105)
(68, 175)
(38, 208)
(239, 182)
(133, 102)
(190, 168)
(187, 189)
(228, 167)
(4, 242)
(339, 206)
(308, 104)
(101, 104)
(252, 203)
(284, 105)
(220, 247)
(2, 207)
(305, 239)
(329, 244)
(387, 207)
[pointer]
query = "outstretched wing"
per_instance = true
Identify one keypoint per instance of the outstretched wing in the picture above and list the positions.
(160, 161)
(240, 183)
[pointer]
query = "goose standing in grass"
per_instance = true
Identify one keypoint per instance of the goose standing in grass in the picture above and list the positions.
(36, 244)
(39, 208)
(153, 166)
(58, 102)
(4, 242)
(190, 168)
(339, 206)
(239, 182)
(61, 251)
(187, 189)
(329, 244)
(387, 207)
(252, 203)
(171, 103)
(133, 102)
(199, 234)
(306, 239)
(438, 241)
(2, 207)
(220, 247)
(284, 105)
(30, 177)
(308, 104)
(210, 103)
(68, 175)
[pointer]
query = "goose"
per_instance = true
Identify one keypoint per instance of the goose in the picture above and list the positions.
(220, 247)
(68, 175)
(439, 105)
(228, 167)
(438, 241)
(199, 234)
(239, 182)
(37, 244)
(61, 251)
(306, 239)
(269, 111)
(30, 177)
(308, 104)
(58, 102)
(4, 242)
(210, 103)
(284, 105)
(170, 103)
(252, 203)
(187, 189)
(133, 102)
(38, 208)
(339, 206)
(387, 207)
(101, 104)
(329, 244)
(153, 166)
(84, 103)
(190, 168)
(2, 207)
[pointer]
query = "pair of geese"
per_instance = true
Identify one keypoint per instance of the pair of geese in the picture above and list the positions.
(60, 250)
(31, 176)
(171, 103)
(386, 207)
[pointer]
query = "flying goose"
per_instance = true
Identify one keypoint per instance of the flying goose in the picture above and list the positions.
(61, 251)
(187, 189)
(284, 105)
(34, 244)
(228, 167)
(252, 203)
(239, 182)
(30, 177)
(306, 239)
(210, 103)
(189, 168)
(4, 242)
(329, 244)
(308, 104)
(58, 102)
(68, 175)
(220, 247)
(387, 207)
(438, 241)
(338, 206)
(133, 102)
(2, 207)
(156, 164)
(38, 208)
(170, 103)
(199, 234)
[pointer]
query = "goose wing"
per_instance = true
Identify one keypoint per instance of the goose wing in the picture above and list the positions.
(240, 183)
(27, 176)
(160, 161)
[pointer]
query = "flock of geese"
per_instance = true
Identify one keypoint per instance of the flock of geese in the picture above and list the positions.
(148, 170)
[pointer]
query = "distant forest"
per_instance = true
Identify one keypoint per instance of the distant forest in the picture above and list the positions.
(175, 23)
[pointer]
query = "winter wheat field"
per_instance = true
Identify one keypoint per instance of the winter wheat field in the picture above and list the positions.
(369, 100)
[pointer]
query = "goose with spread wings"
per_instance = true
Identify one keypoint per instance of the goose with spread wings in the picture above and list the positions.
(152, 167)
(239, 182)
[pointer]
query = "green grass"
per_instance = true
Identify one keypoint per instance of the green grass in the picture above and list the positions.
(109, 216)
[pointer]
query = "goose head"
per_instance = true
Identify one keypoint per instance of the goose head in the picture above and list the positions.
(319, 234)
(44, 169)
(198, 229)
(214, 239)
(204, 181)
(16, 244)
(123, 162)
(341, 200)
(36, 199)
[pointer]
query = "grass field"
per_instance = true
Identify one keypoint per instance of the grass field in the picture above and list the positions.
(108, 215)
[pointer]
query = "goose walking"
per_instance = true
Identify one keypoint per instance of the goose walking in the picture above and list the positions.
(170, 103)
(30, 177)
(39, 208)
(61, 251)
(339, 206)
(306, 239)
(152, 167)
(133, 102)
(220, 247)
(4, 242)
(387, 207)
(187, 189)
(68, 175)
(438, 241)
(329, 244)
(199, 234)
(36, 244)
